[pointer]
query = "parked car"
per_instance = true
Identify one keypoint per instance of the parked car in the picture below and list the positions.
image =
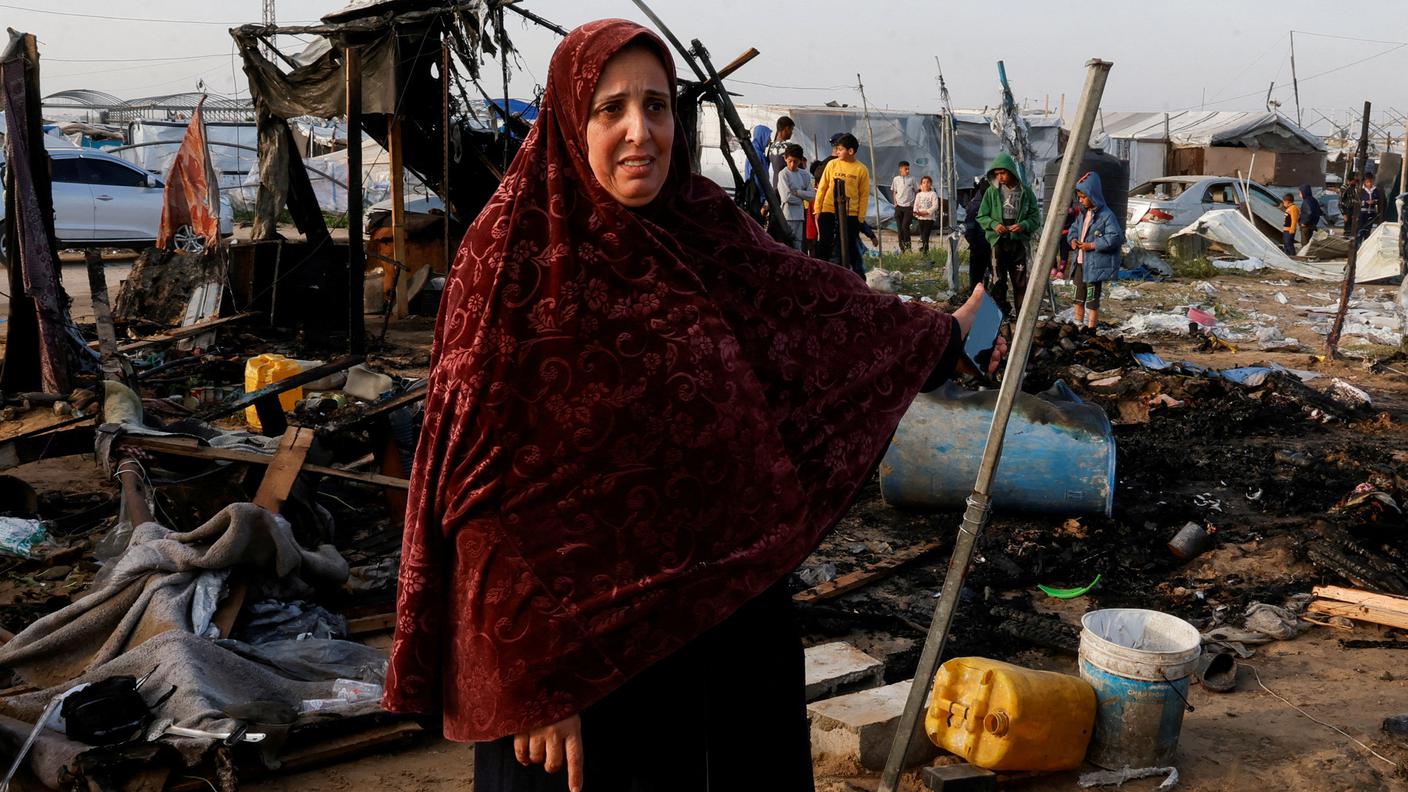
(102, 198)
(1160, 208)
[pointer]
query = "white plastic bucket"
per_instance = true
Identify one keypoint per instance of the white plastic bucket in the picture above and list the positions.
(1139, 662)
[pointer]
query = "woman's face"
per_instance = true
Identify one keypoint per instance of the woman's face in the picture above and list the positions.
(630, 127)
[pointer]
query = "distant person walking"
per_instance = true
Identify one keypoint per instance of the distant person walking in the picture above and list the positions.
(1311, 213)
(926, 209)
(979, 251)
(794, 189)
(781, 139)
(903, 189)
(1289, 223)
(1009, 215)
(1371, 206)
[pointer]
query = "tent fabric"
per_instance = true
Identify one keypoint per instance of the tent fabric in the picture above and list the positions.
(1228, 228)
(1267, 131)
(191, 196)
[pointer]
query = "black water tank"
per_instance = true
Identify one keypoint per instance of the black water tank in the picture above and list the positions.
(1114, 177)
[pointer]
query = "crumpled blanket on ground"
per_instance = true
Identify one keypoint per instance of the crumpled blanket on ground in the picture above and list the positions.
(155, 585)
(209, 677)
(1264, 623)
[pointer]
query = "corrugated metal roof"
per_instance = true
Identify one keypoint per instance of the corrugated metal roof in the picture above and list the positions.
(1213, 128)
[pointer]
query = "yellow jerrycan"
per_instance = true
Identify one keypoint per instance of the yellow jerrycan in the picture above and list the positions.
(267, 369)
(999, 716)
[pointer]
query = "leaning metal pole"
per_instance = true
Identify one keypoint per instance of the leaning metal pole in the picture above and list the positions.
(979, 502)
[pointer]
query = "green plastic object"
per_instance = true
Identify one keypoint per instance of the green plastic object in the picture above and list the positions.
(1070, 593)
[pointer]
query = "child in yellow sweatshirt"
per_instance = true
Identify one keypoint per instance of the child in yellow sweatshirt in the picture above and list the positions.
(856, 181)
(1289, 223)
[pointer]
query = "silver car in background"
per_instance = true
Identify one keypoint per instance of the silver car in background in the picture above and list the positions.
(1160, 208)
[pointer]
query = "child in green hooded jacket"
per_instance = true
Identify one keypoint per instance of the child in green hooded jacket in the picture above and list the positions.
(1010, 218)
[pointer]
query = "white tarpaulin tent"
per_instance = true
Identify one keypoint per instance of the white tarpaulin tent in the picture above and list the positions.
(234, 147)
(1229, 229)
(328, 174)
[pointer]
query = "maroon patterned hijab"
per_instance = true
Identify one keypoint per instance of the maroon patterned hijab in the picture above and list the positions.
(637, 420)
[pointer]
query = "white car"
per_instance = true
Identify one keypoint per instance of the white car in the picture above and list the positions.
(1160, 208)
(105, 199)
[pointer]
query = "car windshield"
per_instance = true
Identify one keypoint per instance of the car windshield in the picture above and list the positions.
(1159, 190)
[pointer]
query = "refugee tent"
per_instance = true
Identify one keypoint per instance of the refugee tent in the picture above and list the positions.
(234, 147)
(1214, 143)
(329, 172)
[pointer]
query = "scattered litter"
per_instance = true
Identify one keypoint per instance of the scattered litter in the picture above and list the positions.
(1146, 323)
(20, 537)
(1070, 593)
(1119, 777)
(817, 574)
(1241, 265)
(1205, 288)
(1151, 360)
(1201, 317)
(1282, 298)
(885, 281)
(1349, 395)
(1119, 292)
(1270, 339)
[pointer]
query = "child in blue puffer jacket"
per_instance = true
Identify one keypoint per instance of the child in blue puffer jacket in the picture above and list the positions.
(1095, 239)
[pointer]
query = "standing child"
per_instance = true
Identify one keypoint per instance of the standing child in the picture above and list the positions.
(903, 189)
(926, 208)
(1289, 223)
(1009, 216)
(1095, 239)
(794, 187)
(856, 180)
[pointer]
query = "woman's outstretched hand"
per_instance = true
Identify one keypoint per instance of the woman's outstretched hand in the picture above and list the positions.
(554, 747)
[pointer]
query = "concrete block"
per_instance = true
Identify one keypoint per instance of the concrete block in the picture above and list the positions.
(836, 668)
(860, 726)
(959, 778)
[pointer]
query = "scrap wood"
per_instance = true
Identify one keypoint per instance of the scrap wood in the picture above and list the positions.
(1367, 613)
(1358, 597)
(866, 575)
(47, 443)
(178, 333)
(190, 447)
(367, 625)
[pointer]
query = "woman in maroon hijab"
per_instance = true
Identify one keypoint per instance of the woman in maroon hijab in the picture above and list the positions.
(643, 414)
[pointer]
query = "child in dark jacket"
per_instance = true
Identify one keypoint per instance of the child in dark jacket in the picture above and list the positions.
(1095, 238)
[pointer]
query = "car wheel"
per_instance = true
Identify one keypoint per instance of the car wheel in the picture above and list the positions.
(186, 240)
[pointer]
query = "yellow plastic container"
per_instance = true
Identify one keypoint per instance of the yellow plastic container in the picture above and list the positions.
(262, 370)
(1000, 716)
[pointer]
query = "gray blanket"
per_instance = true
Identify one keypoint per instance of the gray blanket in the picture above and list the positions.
(163, 581)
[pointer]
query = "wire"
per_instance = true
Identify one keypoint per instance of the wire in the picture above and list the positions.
(793, 87)
(1303, 80)
(1346, 38)
(1315, 719)
(118, 69)
(129, 60)
(147, 20)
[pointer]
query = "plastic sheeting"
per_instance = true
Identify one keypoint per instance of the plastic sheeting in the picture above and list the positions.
(329, 173)
(1228, 228)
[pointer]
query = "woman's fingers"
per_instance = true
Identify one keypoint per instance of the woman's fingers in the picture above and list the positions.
(520, 748)
(574, 760)
(553, 758)
(537, 746)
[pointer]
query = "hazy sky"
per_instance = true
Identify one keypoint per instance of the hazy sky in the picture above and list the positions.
(1181, 54)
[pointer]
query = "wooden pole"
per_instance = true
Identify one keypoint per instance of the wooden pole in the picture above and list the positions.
(1361, 163)
(396, 142)
(874, 174)
(445, 66)
(1295, 83)
(356, 250)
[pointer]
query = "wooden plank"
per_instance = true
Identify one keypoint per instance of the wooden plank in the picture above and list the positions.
(107, 338)
(178, 333)
(190, 447)
(866, 575)
(297, 380)
(396, 147)
(1360, 613)
(284, 469)
(366, 625)
(1358, 597)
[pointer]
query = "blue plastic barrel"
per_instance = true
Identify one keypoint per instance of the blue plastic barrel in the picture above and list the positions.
(1058, 456)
